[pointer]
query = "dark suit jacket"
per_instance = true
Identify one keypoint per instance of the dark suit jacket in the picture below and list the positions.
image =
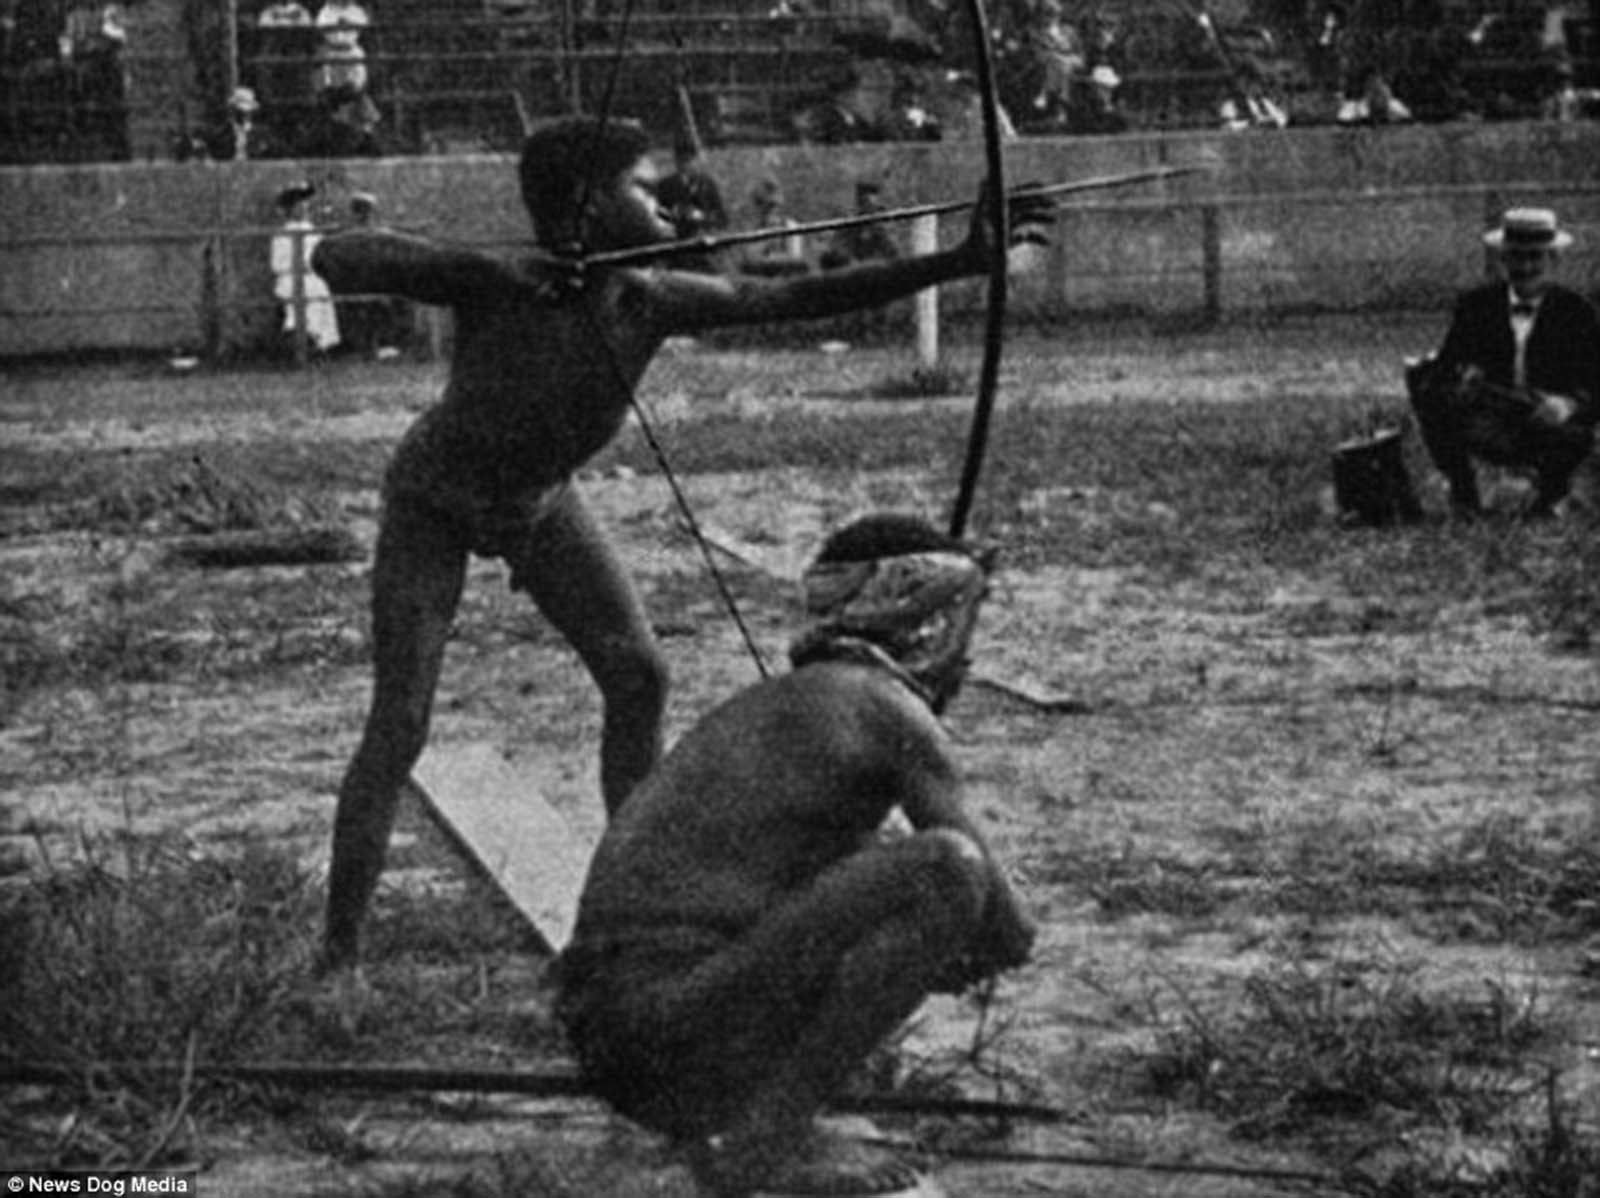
(1563, 349)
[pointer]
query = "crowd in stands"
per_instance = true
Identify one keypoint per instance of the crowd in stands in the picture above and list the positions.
(1086, 68)
(303, 82)
(63, 82)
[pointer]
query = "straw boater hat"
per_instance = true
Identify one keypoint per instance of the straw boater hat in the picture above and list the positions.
(1528, 229)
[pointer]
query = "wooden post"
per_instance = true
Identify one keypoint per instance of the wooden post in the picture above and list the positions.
(297, 299)
(925, 240)
(1211, 259)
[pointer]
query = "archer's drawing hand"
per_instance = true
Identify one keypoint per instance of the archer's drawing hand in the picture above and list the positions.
(553, 278)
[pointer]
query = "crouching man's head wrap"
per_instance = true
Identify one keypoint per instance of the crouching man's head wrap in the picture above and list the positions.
(897, 586)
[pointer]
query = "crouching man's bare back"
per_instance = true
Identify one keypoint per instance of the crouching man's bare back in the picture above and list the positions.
(747, 935)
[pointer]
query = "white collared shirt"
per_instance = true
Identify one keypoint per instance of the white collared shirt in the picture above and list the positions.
(1521, 329)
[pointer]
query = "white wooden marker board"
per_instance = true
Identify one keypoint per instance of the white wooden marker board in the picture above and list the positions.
(499, 818)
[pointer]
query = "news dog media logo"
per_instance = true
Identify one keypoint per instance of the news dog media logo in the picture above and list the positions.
(105, 1183)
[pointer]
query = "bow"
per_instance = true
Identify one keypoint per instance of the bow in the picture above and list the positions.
(1000, 234)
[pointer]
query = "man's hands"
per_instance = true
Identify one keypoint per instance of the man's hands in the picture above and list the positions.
(1004, 941)
(1553, 410)
(552, 278)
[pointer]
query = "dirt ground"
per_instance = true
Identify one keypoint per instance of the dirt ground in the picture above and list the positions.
(1242, 709)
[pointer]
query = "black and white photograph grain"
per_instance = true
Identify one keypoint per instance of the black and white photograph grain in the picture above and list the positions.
(800, 598)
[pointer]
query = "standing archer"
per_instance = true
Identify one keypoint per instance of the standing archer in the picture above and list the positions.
(547, 356)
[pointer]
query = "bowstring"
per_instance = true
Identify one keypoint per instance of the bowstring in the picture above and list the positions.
(602, 118)
(646, 425)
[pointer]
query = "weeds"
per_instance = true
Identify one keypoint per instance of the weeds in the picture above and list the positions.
(150, 954)
(923, 382)
(1494, 880)
(1354, 1041)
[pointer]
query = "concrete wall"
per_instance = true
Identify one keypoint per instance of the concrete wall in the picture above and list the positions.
(160, 256)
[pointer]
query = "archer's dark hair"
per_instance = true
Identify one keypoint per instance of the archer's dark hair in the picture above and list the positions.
(887, 534)
(565, 156)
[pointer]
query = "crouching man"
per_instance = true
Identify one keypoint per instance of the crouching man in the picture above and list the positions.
(747, 933)
(1517, 381)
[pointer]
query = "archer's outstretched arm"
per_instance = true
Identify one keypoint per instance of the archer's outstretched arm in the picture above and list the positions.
(380, 262)
(687, 302)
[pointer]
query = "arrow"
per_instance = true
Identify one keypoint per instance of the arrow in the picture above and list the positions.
(646, 253)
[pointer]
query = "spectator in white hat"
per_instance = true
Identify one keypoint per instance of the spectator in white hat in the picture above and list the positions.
(1517, 381)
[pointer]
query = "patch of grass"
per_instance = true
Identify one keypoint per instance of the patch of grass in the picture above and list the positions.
(1349, 1042)
(216, 488)
(1493, 881)
(1233, 483)
(149, 953)
(923, 382)
(148, 628)
(1567, 594)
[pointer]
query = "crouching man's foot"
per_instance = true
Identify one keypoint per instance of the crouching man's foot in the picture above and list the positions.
(822, 1165)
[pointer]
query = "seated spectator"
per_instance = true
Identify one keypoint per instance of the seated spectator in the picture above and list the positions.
(1098, 109)
(286, 40)
(908, 118)
(1250, 106)
(864, 242)
(1374, 104)
(92, 42)
(244, 137)
(1515, 381)
(841, 118)
(288, 15)
(345, 125)
(1564, 101)
(693, 202)
(961, 115)
(1059, 61)
(1325, 59)
(8, 32)
(781, 255)
(1432, 80)
(341, 60)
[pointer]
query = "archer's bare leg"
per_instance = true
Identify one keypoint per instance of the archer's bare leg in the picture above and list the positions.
(416, 586)
(574, 576)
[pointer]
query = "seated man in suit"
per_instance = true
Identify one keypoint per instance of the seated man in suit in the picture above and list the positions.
(1517, 380)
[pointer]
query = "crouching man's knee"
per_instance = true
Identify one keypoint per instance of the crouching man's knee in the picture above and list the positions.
(956, 874)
